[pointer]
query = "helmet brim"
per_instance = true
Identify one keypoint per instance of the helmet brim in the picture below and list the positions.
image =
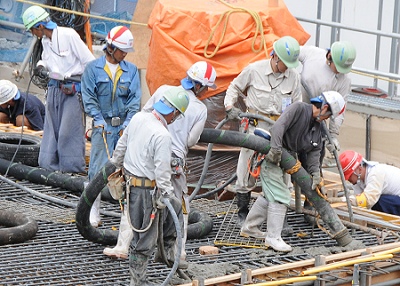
(162, 108)
(343, 70)
(187, 83)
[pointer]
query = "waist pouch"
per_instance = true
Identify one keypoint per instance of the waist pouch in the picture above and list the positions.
(70, 88)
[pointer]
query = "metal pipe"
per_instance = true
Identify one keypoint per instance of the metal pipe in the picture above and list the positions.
(18, 73)
(394, 50)
(378, 40)
(286, 281)
(12, 24)
(368, 137)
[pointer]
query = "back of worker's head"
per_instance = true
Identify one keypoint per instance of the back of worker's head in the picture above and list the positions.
(175, 98)
(120, 37)
(343, 55)
(202, 73)
(8, 91)
(335, 100)
(35, 16)
(350, 160)
(287, 49)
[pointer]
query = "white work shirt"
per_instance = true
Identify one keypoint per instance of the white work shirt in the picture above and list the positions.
(317, 77)
(144, 149)
(187, 129)
(264, 91)
(65, 53)
(380, 179)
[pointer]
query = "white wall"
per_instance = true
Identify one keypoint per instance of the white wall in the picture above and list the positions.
(362, 14)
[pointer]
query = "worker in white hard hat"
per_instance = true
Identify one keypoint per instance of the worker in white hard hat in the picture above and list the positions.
(111, 95)
(298, 130)
(64, 52)
(144, 152)
(327, 69)
(19, 108)
(376, 186)
(185, 134)
(269, 87)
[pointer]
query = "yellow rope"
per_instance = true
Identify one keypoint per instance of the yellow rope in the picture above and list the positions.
(376, 76)
(81, 13)
(225, 16)
(295, 168)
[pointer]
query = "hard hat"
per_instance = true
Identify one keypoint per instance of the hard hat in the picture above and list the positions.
(34, 15)
(174, 97)
(288, 49)
(349, 160)
(121, 38)
(334, 99)
(343, 55)
(8, 90)
(201, 72)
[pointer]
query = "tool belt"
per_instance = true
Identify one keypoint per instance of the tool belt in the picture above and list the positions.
(253, 120)
(141, 182)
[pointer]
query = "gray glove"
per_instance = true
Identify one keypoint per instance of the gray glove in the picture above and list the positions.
(316, 180)
(334, 145)
(171, 197)
(274, 156)
(233, 113)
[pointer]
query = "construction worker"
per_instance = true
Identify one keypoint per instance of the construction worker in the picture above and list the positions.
(269, 87)
(327, 70)
(376, 185)
(63, 144)
(185, 133)
(298, 130)
(144, 151)
(19, 108)
(111, 95)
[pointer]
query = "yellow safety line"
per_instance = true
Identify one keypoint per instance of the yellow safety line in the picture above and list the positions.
(81, 13)
(286, 281)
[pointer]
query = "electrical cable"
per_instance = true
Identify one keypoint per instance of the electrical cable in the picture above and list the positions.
(67, 19)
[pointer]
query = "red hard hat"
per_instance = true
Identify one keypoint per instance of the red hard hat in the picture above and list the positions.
(349, 160)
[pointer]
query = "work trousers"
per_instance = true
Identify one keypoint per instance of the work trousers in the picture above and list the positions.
(63, 143)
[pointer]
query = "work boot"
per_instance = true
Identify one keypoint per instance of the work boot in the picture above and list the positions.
(243, 200)
(257, 215)
(125, 235)
(287, 230)
(276, 216)
(94, 217)
(138, 269)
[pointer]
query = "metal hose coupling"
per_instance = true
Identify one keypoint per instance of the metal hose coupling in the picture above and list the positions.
(343, 237)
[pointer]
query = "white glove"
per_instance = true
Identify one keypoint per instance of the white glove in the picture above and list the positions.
(274, 156)
(335, 142)
(233, 113)
(316, 180)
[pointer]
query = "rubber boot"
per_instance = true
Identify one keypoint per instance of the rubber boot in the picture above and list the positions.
(287, 230)
(138, 269)
(276, 217)
(243, 200)
(94, 217)
(257, 215)
(125, 235)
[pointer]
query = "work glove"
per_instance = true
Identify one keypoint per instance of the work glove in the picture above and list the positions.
(333, 145)
(316, 181)
(166, 196)
(38, 71)
(233, 113)
(274, 156)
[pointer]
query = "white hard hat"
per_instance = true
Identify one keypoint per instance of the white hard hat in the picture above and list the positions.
(8, 90)
(201, 72)
(121, 38)
(335, 101)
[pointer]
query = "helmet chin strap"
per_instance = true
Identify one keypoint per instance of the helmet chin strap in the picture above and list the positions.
(112, 53)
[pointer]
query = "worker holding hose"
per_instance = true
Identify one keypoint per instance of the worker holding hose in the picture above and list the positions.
(111, 95)
(144, 152)
(269, 87)
(63, 144)
(299, 131)
(185, 134)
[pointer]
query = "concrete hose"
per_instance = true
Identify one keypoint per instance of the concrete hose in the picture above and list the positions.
(234, 138)
(19, 227)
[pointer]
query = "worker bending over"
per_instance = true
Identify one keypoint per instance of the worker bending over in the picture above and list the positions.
(376, 186)
(298, 130)
(19, 108)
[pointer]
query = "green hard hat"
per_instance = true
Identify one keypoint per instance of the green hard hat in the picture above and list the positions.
(288, 49)
(343, 55)
(34, 15)
(178, 98)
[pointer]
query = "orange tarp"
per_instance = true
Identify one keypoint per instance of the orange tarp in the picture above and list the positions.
(181, 30)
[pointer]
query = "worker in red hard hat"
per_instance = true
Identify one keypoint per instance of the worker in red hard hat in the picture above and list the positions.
(376, 185)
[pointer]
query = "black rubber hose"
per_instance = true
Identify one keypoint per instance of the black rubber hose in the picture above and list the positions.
(200, 224)
(217, 189)
(89, 195)
(42, 176)
(234, 138)
(19, 227)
